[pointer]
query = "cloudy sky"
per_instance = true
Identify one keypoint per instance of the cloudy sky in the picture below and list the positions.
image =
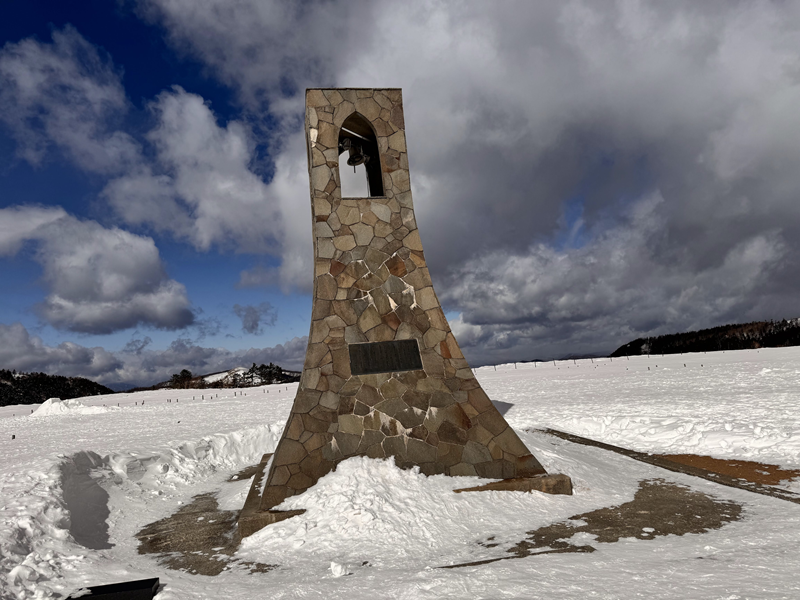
(584, 172)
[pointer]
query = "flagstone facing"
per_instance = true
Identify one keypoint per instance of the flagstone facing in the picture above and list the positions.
(372, 285)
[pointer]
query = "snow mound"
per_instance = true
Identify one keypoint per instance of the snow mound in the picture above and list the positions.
(57, 406)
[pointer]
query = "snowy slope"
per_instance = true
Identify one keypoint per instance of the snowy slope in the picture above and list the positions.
(158, 450)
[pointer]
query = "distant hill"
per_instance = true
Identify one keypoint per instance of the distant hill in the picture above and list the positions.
(759, 334)
(238, 377)
(34, 388)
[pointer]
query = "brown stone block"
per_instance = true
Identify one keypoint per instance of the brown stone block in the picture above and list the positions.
(381, 300)
(391, 406)
(422, 322)
(369, 395)
(375, 451)
(369, 318)
(318, 440)
(397, 223)
(335, 383)
(325, 414)
(394, 446)
(432, 337)
(410, 417)
(370, 437)
(351, 424)
(346, 405)
(381, 333)
(310, 378)
(354, 335)
(392, 320)
(420, 278)
(326, 287)
(497, 451)
(305, 436)
(361, 409)
(383, 273)
(449, 454)
(341, 113)
(306, 400)
(480, 434)
(469, 384)
(295, 427)
(345, 311)
(463, 469)
(351, 387)
(341, 362)
(396, 266)
(280, 475)
(390, 427)
(372, 421)
(348, 443)
(373, 259)
(509, 441)
(451, 434)
(469, 410)
(344, 242)
(313, 425)
(440, 399)
(405, 314)
(475, 453)
(299, 482)
(419, 452)
(393, 246)
(393, 388)
(319, 331)
(493, 421)
(316, 98)
(432, 363)
(455, 415)
(528, 466)
(416, 399)
(490, 470)
(328, 135)
(320, 309)
(444, 350)
(289, 452)
(480, 400)
(336, 268)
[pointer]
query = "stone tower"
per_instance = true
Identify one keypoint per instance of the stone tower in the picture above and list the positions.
(383, 373)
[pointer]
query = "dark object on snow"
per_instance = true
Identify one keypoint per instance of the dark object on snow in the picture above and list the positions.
(142, 589)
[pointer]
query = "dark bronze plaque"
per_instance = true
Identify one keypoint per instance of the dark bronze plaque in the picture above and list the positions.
(385, 357)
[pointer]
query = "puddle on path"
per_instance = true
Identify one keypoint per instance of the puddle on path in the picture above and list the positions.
(762, 473)
(199, 538)
(659, 508)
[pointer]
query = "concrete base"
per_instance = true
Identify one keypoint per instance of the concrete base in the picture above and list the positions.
(549, 484)
(252, 518)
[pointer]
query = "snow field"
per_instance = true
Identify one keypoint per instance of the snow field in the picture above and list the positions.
(154, 458)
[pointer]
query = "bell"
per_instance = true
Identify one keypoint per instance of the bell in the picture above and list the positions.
(357, 157)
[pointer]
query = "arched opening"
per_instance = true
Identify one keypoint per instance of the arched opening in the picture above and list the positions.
(360, 170)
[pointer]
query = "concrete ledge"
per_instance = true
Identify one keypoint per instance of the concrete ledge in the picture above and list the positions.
(549, 484)
(252, 518)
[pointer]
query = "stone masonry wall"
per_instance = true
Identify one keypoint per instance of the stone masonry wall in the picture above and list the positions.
(371, 285)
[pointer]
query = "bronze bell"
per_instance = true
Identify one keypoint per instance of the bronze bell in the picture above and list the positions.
(357, 156)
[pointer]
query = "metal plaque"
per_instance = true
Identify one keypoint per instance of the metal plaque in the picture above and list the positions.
(385, 357)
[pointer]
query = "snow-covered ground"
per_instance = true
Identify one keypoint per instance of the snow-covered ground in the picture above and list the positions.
(153, 451)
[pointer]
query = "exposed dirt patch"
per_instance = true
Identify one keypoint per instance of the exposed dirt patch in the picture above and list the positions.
(756, 472)
(199, 538)
(659, 508)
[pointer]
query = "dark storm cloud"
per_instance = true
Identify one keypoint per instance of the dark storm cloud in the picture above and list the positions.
(584, 172)
(254, 318)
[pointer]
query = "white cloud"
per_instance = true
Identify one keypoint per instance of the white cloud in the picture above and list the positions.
(100, 280)
(514, 110)
(65, 94)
